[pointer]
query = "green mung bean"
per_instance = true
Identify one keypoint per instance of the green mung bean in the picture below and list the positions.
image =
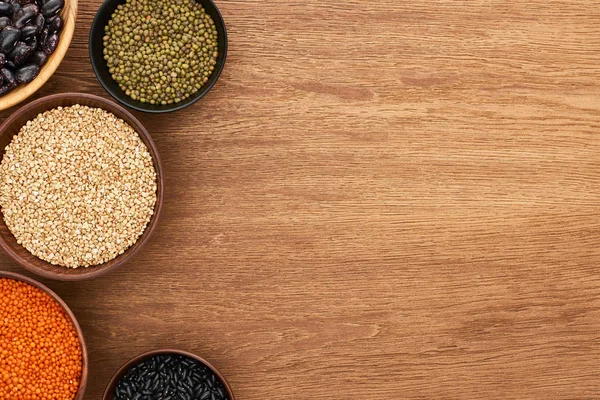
(160, 51)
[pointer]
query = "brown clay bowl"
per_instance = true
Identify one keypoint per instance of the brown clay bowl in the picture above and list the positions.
(8, 242)
(110, 388)
(65, 307)
(69, 15)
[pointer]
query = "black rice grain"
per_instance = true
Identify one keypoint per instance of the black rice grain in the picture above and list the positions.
(170, 378)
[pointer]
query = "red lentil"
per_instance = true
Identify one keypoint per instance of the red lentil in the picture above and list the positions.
(40, 353)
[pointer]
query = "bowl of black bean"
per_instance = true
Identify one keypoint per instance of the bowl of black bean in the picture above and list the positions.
(168, 375)
(34, 38)
(158, 56)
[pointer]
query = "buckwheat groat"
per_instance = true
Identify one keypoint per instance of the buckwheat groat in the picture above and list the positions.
(77, 186)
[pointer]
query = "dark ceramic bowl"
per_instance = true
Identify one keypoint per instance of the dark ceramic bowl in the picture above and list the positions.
(70, 315)
(110, 388)
(13, 125)
(96, 46)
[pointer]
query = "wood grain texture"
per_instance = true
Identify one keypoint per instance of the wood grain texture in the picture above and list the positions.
(378, 200)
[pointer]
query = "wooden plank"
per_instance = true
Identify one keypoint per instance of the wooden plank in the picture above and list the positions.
(378, 200)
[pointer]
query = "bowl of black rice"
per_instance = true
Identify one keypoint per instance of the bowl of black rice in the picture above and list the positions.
(168, 374)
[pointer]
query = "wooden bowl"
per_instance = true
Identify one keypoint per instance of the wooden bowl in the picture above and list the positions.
(112, 384)
(65, 307)
(69, 15)
(8, 242)
(96, 46)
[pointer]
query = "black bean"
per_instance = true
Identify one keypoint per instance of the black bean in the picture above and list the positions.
(6, 9)
(8, 77)
(4, 22)
(16, 6)
(20, 53)
(32, 42)
(52, 7)
(51, 44)
(8, 38)
(28, 31)
(24, 15)
(39, 22)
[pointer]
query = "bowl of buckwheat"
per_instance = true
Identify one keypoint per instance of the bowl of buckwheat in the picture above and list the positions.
(81, 186)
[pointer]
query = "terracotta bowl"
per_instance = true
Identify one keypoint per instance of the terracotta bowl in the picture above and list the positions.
(84, 354)
(110, 388)
(69, 15)
(8, 242)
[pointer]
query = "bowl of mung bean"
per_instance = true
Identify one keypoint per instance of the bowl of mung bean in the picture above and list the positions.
(43, 355)
(168, 374)
(81, 186)
(158, 56)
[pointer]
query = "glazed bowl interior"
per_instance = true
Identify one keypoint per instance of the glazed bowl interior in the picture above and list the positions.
(67, 310)
(69, 15)
(96, 47)
(8, 242)
(110, 388)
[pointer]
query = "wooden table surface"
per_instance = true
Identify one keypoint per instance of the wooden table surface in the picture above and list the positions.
(378, 200)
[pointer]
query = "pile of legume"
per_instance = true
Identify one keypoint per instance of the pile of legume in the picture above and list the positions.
(170, 377)
(40, 353)
(77, 186)
(160, 51)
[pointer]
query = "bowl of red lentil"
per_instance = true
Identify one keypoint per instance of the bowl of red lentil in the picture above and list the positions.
(81, 186)
(42, 350)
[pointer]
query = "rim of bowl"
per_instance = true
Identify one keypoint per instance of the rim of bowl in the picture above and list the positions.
(72, 318)
(175, 107)
(23, 92)
(110, 387)
(83, 273)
